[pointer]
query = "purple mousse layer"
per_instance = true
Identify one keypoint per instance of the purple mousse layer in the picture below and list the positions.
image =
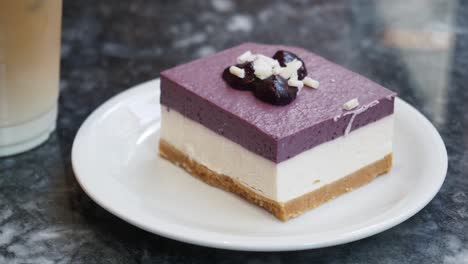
(197, 90)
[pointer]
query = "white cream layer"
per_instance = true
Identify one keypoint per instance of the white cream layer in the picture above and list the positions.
(286, 180)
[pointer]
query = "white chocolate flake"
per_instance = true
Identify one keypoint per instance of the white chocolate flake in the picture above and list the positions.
(311, 82)
(291, 69)
(295, 64)
(295, 83)
(272, 62)
(277, 70)
(287, 73)
(262, 69)
(234, 70)
(351, 104)
(246, 57)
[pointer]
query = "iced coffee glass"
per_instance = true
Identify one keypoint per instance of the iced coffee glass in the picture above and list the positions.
(29, 72)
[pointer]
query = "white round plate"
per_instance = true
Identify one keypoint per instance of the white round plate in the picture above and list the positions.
(115, 159)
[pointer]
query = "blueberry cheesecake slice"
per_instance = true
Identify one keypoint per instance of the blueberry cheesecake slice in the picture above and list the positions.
(277, 125)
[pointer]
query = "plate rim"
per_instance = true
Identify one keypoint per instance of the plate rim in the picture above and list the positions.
(232, 243)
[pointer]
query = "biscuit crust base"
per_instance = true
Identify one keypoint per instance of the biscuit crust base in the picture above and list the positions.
(283, 211)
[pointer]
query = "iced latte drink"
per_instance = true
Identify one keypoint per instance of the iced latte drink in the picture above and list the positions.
(29, 72)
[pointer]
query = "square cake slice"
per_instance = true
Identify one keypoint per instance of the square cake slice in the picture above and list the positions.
(289, 150)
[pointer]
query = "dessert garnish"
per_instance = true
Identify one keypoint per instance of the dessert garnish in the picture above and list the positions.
(351, 104)
(237, 71)
(275, 80)
(246, 57)
(311, 82)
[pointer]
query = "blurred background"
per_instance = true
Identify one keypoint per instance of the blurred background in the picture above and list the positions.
(401, 44)
(414, 47)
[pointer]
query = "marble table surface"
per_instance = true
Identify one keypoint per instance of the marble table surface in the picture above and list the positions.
(417, 48)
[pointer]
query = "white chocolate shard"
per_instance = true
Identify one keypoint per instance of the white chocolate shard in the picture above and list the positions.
(351, 104)
(277, 70)
(295, 83)
(262, 69)
(309, 82)
(296, 64)
(234, 70)
(246, 57)
(272, 62)
(291, 69)
(287, 73)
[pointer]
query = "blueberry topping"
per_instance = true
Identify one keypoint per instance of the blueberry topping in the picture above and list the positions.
(284, 57)
(274, 90)
(240, 83)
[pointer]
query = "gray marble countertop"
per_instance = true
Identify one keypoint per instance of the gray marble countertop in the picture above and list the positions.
(416, 48)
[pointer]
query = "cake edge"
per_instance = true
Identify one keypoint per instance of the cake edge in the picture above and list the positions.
(282, 211)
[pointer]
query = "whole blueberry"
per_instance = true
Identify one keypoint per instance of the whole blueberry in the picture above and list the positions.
(240, 83)
(274, 90)
(284, 57)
